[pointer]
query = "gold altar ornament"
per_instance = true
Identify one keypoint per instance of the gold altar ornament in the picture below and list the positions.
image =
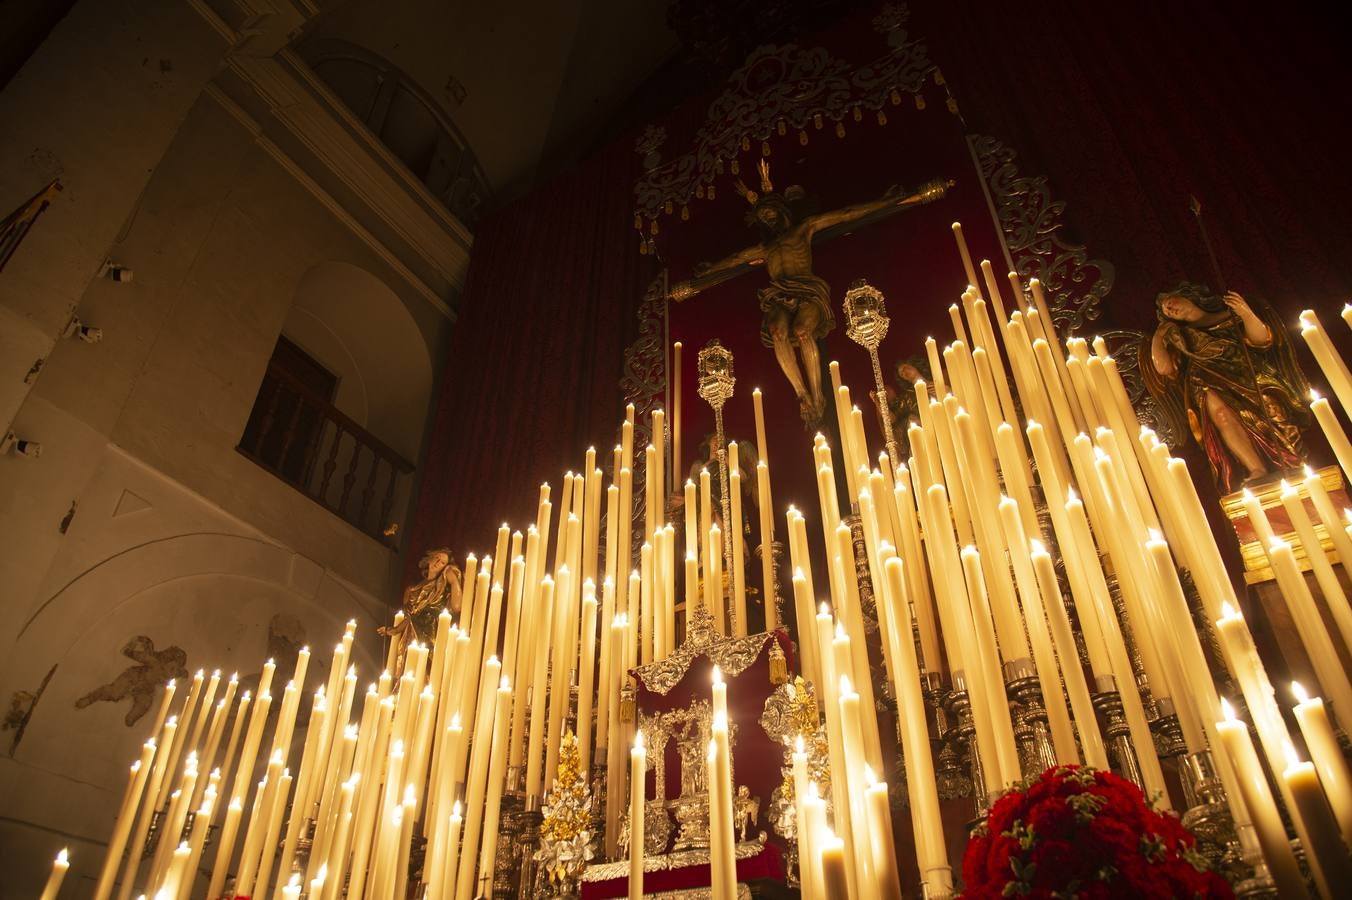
(565, 832)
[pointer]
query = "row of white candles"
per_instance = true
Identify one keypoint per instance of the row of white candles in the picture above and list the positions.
(998, 593)
(419, 730)
(980, 585)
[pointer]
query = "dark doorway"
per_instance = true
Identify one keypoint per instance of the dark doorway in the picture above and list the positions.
(288, 415)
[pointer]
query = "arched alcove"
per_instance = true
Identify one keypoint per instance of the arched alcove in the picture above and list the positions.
(351, 323)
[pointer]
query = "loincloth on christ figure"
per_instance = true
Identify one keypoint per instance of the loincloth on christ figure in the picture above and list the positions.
(789, 295)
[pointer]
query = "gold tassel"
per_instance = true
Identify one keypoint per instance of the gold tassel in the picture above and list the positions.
(896, 98)
(746, 142)
(627, 705)
(919, 101)
(642, 248)
(710, 193)
(638, 222)
(858, 114)
(667, 207)
(779, 666)
(685, 213)
(653, 227)
(699, 191)
(718, 166)
(840, 129)
(953, 106)
(802, 138)
(817, 120)
(735, 168)
(938, 76)
(781, 128)
(882, 117)
(765, 148)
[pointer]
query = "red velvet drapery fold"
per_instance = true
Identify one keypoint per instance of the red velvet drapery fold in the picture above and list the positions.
(535, 358)
(1126, 108)
(1130, 107)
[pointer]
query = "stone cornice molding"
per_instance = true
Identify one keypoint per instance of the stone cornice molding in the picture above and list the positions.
(298, 120)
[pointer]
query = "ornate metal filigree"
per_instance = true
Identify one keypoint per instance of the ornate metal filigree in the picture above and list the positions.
(790, 712)
(641, 383)
(669, 861)
(565, 833)
(781, 87)
(1075, 285)
(732, 655)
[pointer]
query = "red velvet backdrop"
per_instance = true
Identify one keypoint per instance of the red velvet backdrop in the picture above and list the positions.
(911, 257)
(1130, 107)
(1126, 108)
(531, 378)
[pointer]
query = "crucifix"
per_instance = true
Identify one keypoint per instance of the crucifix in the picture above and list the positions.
(797, 304)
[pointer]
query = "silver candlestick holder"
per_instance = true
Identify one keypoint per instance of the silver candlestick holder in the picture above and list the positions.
(774, 599)
(1108, 703)
(713, 366)
(1032, 734)
(867, 321)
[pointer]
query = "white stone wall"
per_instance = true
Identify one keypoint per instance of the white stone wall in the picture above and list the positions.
(144, 557)
(141, 518)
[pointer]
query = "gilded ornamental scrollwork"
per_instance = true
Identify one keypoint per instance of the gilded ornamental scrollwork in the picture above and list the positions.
(732, 655)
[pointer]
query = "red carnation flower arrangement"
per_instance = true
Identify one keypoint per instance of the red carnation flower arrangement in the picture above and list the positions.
(1080, 832)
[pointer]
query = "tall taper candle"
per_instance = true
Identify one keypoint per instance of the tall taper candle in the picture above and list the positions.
(638, 771)
(1326, 755)
(59, 867)
(1325, 851)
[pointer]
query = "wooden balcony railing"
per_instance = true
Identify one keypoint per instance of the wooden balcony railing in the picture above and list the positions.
(297, 435)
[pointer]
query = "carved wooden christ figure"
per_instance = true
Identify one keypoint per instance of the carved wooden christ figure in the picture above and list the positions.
(797, 304)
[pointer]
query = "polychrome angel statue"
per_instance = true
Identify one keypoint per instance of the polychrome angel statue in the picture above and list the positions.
(1225, 373)
(423, 602)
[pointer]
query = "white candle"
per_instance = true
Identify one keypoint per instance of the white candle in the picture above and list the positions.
(887, 880)
(723, 839)
(1335, 370)
(1334, 596)
(1333, 431)
(835, 881)
(497, 769)
(1044, 655)
(1326, 755)
(738, 571)
(59, 867)
(586, 677)
(1324, 849)
(1077, 689)
(1310, 625)
(140, 772)
(850, 783)
(767, 536)
(1271, 833)
(921, 787)
(638, 770)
